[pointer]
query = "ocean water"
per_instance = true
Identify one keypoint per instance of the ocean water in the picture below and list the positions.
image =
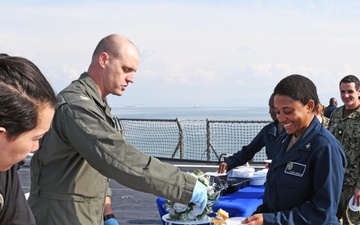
(193, 113)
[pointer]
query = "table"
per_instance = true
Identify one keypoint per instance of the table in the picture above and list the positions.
(239, 204)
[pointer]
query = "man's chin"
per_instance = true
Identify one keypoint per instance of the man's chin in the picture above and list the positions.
(118, 93)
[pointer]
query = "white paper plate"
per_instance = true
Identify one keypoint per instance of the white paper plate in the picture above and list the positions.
(234, 220)
(354, 208)
(165, 218)
(215, 174)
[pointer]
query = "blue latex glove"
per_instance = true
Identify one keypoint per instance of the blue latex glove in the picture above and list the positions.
(199, 195)
(111, 221)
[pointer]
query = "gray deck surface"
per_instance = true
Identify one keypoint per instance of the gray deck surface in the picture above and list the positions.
(130, 207)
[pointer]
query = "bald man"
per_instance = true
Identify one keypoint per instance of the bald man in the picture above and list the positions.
(71, 171)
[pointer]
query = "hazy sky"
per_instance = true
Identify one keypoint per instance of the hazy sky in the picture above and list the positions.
(204, 53)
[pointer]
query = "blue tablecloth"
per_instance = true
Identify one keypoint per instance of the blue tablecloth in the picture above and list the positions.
(239, 204)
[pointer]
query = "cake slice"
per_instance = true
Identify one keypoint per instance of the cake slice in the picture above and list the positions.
(221, 217)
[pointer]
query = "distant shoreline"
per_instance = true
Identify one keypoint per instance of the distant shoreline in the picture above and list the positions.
(192, 113)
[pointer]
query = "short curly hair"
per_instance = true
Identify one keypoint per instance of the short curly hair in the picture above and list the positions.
(299, 88)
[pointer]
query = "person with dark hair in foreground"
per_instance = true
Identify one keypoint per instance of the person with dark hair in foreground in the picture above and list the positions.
(27, 107)
(303, 184)
(70, 173)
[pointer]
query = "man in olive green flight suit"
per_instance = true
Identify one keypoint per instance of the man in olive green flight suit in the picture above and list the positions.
(69, 174)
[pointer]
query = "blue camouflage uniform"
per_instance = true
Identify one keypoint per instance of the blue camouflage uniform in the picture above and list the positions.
(304, 184)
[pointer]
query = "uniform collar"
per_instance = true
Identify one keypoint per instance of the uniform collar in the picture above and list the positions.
(93, 91)
(339, 112)
(303, 144)
(273, 130)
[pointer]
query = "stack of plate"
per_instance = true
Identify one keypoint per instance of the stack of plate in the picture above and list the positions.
(259, 177)
(243, 172)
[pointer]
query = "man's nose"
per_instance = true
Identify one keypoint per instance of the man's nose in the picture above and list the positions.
(131, 78)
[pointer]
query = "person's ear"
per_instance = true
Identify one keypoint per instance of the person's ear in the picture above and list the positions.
(103, 58)
(2, 130)
(310, 106)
